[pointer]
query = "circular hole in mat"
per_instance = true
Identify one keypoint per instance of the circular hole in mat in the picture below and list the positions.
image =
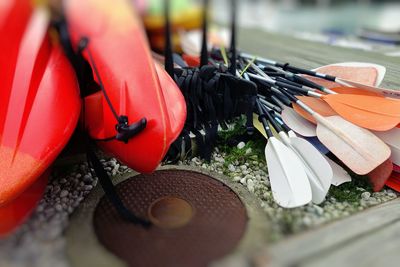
(195, 220)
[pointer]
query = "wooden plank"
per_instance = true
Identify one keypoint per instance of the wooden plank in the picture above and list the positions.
(311, 54)
(322, 241)
(380, 248)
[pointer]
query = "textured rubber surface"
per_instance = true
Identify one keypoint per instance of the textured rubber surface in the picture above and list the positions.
(217, 225)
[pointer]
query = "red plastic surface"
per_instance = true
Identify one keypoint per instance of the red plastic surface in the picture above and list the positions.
(136, 87)
(16, 212)
(394, 181)
(39, 108)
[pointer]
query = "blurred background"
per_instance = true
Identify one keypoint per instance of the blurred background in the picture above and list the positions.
(362, 24)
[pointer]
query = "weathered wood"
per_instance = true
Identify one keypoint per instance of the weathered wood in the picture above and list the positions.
(311, 54)
(338, 241)
(378, 248)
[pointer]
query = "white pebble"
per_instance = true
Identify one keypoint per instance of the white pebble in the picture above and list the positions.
(241, 145)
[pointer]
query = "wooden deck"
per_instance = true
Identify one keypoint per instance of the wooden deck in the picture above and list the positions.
(370, 238)
(311, 55)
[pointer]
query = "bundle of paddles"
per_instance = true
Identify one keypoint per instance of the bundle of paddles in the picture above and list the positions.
(94, 63)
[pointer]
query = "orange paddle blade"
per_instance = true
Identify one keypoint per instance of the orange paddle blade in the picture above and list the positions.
(317, 105)
(370, 112)
(380, 175)
(354, 91)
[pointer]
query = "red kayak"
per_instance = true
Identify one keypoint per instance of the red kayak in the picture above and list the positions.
(139, 91)
(17, 211)
(39, 102)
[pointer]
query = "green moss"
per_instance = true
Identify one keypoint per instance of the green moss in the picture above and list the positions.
(349, 191)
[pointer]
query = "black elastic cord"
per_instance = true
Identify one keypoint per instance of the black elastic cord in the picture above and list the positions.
(110, 191)
(84, 45)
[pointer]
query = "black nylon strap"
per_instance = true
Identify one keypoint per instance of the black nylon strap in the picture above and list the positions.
(110, 191)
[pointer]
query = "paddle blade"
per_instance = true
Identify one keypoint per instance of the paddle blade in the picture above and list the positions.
(340, 176)
(357, 148)
(354, 91)
(289, 183)
(298, 124)
(380, 175)
(365, 73)
(318, 170)
(374, 113)
(392, 139)
(317, 105)
(383, 91)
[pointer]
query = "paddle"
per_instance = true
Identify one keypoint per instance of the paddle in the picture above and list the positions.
(357, 148)
(340, 176)
(374, 113)
(318, 170)
(383, 91)
(380, 175)
(289, 182)
(295, 121)
(392, 139)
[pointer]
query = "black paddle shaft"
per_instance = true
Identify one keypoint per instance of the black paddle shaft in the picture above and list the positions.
(262, 118)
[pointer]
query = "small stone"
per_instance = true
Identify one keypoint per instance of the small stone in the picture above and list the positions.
(237, 178)
(58, 207)
(231, 168)
(241, 145)
(248, 151)
(88, 187)
(366, 195)
(64, 193)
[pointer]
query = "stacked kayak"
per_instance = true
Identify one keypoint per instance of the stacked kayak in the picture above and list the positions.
(130, 86)
(39, 108)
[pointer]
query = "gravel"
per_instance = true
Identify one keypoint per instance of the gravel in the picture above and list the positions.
(253, 176)
(40, 241)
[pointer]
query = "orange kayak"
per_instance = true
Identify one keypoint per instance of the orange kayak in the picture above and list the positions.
(39, 102)
(138, 90)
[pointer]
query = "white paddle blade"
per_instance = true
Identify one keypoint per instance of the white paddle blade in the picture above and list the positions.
(318, 170)
(289, 183)
(340, 176)
(357, 148)
(292, 134)
(298, 123)
(392, 139)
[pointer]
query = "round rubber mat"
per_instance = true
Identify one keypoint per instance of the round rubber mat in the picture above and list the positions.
(196, 220)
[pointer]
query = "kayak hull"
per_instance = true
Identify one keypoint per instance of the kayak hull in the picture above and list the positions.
(135, 85)
(40, 109)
